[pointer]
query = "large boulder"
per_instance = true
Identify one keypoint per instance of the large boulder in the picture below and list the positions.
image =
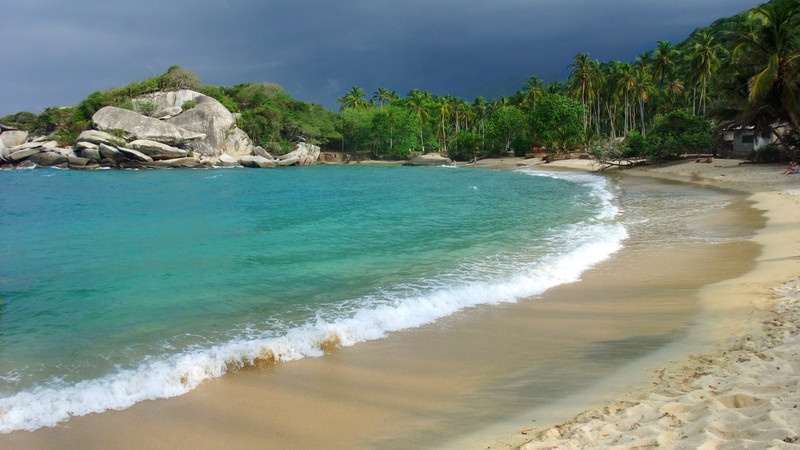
(12, 138)
(140, 127)
(226, 160)
(288, 160)
(111, 152)
(135, 155)
(171, 101)
(430, 159)
(257, 161)
(48, 159)
(157, 150)
(210, 118)
(237, 144)
(187, 162)
(24, 153)
(98, 137)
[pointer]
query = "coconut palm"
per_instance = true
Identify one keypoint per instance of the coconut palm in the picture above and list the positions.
(769, 47)
(382, 95)
(665, 57)
(535, 90)
(703, 60)
(355, 99)
(579, 74)
(419, 102)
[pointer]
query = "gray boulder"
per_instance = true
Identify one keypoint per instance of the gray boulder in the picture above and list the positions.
(237, 144)
(259, 151)
(187, 162)
(226, 160)
(431, 159)
(166, 113)
(210, 118)
(76, 162)
(168, 101)
(141, 127)
(111, 152)
(48, 159)
(91, 153)
(157, 150)
(303, 154)
(13, 138)
(98, 137)
(134, 154)
(86, 144)
(19, 155)
(288, 160)
(257, 161)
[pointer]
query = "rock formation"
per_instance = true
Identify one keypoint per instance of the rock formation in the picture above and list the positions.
(204, 135)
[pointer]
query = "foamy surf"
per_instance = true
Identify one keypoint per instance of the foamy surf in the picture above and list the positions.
(481, 281)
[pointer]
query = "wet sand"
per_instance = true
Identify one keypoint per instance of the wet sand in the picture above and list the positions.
(461, 380)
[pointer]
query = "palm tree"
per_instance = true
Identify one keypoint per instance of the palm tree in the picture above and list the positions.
(665, 57)
(625, 84)
(534, 87)
(642, 88)
(769, 48)
(354, 99)
(382, 95)
(481, 107)
(704, 59)
(443, 108)
(579, 73)
(419, 102)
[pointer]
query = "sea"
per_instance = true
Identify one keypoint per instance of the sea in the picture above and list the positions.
(123, 286)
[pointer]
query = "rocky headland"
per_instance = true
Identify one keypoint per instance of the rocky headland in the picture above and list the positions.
(186, 129)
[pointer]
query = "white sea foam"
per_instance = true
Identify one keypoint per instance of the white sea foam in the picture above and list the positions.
(577, 248)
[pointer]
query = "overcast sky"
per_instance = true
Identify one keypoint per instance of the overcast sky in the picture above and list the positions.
(56, 52)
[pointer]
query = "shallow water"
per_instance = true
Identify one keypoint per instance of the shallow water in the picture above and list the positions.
(123, 286)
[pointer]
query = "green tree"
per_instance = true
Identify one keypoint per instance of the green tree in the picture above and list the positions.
(503, 125)
(557, 123)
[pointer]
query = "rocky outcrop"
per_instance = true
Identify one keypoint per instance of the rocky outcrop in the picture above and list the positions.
(430, 159)
(141, 127)
(204, 135)
(303, 155)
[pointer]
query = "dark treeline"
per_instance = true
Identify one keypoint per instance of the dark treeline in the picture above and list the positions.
(739, 72)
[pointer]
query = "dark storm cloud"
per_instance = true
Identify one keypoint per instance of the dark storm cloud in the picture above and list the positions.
(57, 52)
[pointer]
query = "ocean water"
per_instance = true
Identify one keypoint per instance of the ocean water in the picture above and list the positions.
(123, 286)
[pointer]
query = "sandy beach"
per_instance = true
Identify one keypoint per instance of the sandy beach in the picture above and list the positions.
(745, 392)
(690, 345)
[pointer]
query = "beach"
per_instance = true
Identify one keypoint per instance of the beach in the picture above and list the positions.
(674, 343)
(744, 391)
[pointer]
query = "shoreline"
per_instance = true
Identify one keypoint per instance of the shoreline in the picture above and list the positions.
(741, 389)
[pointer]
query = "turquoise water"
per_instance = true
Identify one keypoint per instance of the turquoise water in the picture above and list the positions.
(121, 286)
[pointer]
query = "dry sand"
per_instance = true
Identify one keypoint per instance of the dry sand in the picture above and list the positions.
(744, 393)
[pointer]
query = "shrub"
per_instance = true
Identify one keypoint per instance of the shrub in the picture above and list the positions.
(188, 104)
(146, 108)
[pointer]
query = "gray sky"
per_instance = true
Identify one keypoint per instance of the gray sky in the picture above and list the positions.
(57, 52)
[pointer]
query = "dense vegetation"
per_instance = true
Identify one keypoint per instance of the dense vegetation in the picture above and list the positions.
(739, 72)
